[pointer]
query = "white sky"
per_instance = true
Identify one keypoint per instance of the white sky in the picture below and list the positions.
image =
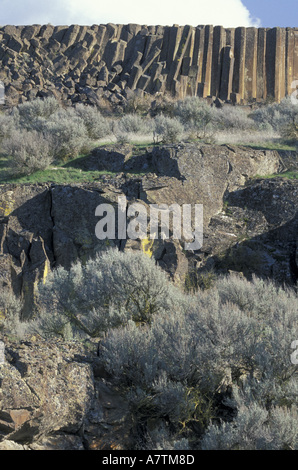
(227, 13)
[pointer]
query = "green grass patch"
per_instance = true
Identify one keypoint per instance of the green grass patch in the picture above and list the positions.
(271, 146)
(59, 176)
(70, 171)
(292, 175)
(60, 173)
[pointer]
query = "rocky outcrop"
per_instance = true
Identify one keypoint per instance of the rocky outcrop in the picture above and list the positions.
(43, 226)
(53, 396)
(256, 233)
(56, 395)
(109, 62)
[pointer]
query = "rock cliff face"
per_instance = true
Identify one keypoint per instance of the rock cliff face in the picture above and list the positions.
(92, 63)
(55, 395)
(46, 225)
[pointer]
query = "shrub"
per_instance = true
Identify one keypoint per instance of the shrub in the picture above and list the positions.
(67, 133)
(163, 104)
(31, 113)
(259, 298)
(122, 138)
(160, 439)
(130, 126)
(28, 151)
(180, 358)
(7, 125)
(104, 293)
(97, 126)
(133, 124)
(234, 119)
(10, 313)
(254, 428)
(276, 115)
(219, 338)
(137, 102)
(196, 116)
(168, 130)
(289, 131)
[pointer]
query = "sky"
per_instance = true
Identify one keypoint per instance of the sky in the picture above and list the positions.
(228, 13)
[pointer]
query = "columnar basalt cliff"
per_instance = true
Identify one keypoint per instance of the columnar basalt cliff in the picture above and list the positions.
(91, 63)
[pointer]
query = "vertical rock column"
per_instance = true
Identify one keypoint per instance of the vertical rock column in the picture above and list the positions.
(207, 61)
(295, 59)
(290, 45)
(239, 67)
(197, 62)
(219, 39)
(184, 39)
(261, 65)
(226, 81)
(280, 66)
(276, 63)
(251, 52)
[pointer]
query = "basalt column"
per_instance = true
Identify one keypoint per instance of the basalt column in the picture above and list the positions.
(239, 67)
(226, 81)
(261, 65)
(250, 77)
(99, 63)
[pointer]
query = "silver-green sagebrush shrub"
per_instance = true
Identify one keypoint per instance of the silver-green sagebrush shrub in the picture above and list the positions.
(130, 126)
(167, 130)
(96, 124)
(234, 119)
(28, 151)
(196, 116)
(32, 113)
(66, 133)
(103, 293)
(10, 314)
(178, 357)
(174, 368)
(133, 124)
(7, 125)
(277, 115)
(255, 427)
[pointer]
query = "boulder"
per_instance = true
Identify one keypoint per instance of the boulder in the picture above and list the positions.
(41, 391)
(255, 233)
(51, 400)
(15, 44)
(202, 174)
(110, 158)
